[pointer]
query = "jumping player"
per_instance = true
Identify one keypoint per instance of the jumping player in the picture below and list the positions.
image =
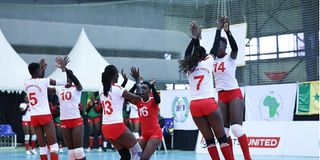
(41, 119)
(27, 128)
(148, 114)
(204, 110)
(71, 121)
(229, 93)
(112, 98)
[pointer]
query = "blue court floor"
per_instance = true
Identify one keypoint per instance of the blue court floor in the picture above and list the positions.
(19, 154)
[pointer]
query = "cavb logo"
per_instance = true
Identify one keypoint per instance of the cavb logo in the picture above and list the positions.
(270, 106)
(180, 109)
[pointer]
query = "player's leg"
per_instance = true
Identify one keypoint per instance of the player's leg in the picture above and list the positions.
(91, 133)
(128, 140)
(236, 108)
(26, 131)
(216, 122)
(33, 139)
(67, 137)
(50, 131)
(150, 148)
(142, 143)
(123, 151)
(43, 149)
(136, 127)
(59, 137)
(224, 108)
(97, 126)
(77, 136)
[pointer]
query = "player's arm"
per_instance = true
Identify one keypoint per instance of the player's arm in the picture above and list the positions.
(154, 92)
(125, 79)
(196, 34)
(134, 98)
(24, 110)
(61, 63)
(215, 47)
(51, 90)
(74, 79)
(233, 43)
(43, 66)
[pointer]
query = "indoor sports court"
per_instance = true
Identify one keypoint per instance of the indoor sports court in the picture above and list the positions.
(159, 79)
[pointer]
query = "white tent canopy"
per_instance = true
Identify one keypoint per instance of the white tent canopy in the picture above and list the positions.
(87, 64)
(14, 68)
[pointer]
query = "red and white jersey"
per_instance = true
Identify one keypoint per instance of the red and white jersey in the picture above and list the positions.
(201, 80)
(27, 116)
(69, 99)
(133, 111)
(112, 105)
(37, 91)
(224, 71)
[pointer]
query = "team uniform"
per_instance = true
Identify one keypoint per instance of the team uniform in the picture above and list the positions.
(112, 120)
(134, 117)
(148, 113)
(225, 79)
(26, 118)
(69, 99)
(94, 114)
(201, 86)
(36, 90)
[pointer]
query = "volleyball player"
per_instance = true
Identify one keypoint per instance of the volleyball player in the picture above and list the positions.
(41, 119)
(148, 114)
(112, 98)
(229, 93)
(71, 121)
(204, 110)
(27, 128)
(55, 112)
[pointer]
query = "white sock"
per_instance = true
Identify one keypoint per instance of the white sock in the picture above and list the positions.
(135, 149)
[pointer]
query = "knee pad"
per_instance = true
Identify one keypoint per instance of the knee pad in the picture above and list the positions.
(33, 138)
(43, 150)
(210, 142)
(78, 153)
(237, 130)
(27, 137)
(227, 130)
(125, 154)
(223, 139)
(71, 155)
(54, 148)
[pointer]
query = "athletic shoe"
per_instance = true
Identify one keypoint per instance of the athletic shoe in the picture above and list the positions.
(28, 152)
(100, 149)
(60, 150)
(89, 149)
(34, 152)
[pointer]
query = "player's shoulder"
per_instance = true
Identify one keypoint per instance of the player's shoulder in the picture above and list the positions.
(116, 86)
(208, 57)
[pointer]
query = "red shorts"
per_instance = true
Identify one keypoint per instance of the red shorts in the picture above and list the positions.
(227, 96)
(94, 120)
(134, 120)
(25, 123)
(203, 107)
(71, 123)
(157, 134)
(56, 124)
(113, 131)
(40, 120)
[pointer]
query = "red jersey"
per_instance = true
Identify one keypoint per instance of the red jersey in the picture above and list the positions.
(148, 114)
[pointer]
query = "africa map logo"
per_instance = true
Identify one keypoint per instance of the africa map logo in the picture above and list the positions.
(270, 106)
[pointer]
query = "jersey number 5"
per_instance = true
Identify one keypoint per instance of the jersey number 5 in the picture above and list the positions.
(107, 109)
(200, 78)
(32, 98)
(220, 67)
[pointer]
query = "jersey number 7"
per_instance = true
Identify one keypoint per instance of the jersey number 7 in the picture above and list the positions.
(200, 78)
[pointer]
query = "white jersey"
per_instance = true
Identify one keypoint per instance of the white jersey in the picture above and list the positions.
(112, 105)
(69, 99)
(25, 117)
(201, 80)
(133, 111)
(37, 91)
(224, 71)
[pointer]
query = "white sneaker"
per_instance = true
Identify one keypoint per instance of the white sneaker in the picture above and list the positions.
(89, 149)
(28, 152)
(135, 156)
(60, 150)
(34, 151)
(100, 149)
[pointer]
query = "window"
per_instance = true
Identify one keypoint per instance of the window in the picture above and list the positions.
(268, 44)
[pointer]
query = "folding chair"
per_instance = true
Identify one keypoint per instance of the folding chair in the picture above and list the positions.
(8, 138)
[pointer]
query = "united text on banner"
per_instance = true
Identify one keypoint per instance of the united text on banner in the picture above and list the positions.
(270, 102)
(176, 103)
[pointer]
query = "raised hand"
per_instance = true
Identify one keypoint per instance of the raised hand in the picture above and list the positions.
(226, 25)
(152, 81)
(43, 64)
(134, 72)
(195, 30)
(62, 62)
(124, 75)
(220, 23)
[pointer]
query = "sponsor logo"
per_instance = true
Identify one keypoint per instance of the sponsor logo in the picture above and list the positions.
(263, 142)
(180, 109)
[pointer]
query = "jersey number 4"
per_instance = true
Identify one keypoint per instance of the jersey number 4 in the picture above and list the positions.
(107, 109)
(32, 98)
(200, 78)
(220, 67)
(66, 95)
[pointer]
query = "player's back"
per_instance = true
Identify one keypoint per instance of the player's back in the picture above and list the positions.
(201, 80)
(112, 105)
(37, 91)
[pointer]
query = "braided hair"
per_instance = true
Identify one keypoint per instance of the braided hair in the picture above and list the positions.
(109, 73)
(191, 62)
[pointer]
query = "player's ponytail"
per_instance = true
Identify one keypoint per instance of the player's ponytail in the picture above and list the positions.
(109, 73)
(191, 62)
